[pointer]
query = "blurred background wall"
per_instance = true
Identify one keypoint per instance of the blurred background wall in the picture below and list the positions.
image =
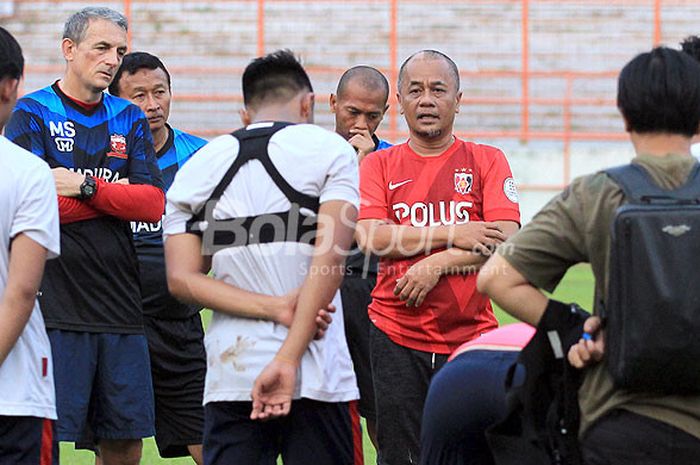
(538, 76)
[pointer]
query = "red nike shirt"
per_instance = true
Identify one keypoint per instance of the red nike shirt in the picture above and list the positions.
(467, 182)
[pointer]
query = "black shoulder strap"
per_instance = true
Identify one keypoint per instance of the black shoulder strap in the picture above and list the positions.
(638, 186)
(253, 145)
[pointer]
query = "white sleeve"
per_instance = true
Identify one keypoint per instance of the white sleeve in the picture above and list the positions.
(195, 182)
(343, 180)
(37, 208)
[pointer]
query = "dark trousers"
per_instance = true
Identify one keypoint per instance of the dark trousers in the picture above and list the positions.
(625, 438)
(355, 292)
(401, 380)
(467, 396)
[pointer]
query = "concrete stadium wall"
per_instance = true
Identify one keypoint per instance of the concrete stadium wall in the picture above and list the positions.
(484, 35)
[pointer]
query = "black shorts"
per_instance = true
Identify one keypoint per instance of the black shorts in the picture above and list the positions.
(27, 441)
(178, 367)
(355, 294)
(314, 432)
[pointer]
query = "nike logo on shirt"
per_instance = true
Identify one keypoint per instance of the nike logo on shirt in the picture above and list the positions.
(393, 186)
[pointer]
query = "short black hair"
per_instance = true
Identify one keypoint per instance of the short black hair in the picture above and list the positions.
(659, 92)
(11, 59)
(131, 63)
(433, 55)
(276, 77)
(370, 79)
(691, 46)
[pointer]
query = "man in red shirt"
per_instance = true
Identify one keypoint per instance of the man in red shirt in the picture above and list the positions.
(432, 209)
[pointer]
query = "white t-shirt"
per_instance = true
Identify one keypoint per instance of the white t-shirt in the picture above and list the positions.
(27, 205)
(313, 161)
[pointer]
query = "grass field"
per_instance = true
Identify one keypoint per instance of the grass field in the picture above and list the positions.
(577, 286)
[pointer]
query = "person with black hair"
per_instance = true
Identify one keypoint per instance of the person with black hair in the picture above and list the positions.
(29, 235)
(659, 99)
(691, 46)
(273, 205)
(131, 81)
(358, 105)
(173, 329)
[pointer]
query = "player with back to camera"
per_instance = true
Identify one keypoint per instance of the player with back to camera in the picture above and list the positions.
(29, 235)
(273, 205)
(691, 46)
(659, 99)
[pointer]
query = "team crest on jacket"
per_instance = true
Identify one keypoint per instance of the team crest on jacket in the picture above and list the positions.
(463, 181)
(117, 144)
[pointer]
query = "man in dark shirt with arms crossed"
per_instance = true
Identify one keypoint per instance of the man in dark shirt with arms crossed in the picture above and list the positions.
(90, 296)
(173, 329)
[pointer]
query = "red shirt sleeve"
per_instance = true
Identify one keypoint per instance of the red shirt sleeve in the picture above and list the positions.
(130, 202)
(499, 192)
(71, 210)
(373, 199)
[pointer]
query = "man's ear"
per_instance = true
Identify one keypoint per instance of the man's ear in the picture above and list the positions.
(398, 99)
(307, 107)
(8, 89)
(459, 100)
(333, 100)
(68, 49)
(245, 115)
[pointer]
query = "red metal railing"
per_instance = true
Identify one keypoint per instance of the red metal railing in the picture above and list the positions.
(527, 75)
(524, 133)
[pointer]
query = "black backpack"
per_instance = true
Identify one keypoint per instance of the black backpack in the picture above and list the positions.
(652, 311)
(542, 413)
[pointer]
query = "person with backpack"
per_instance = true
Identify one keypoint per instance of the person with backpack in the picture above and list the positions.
(638, 227)
(691, 46)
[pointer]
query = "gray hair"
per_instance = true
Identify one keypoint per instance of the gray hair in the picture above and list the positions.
(77, 24)
(431, 55)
